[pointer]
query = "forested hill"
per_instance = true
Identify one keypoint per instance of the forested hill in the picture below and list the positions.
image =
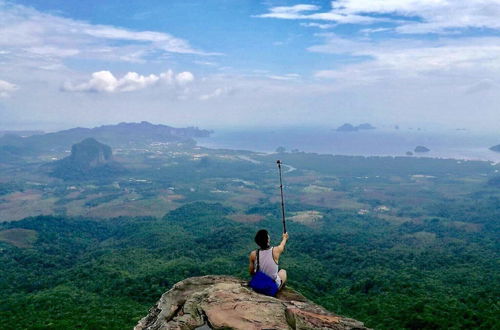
(123, 134)
(64, 272)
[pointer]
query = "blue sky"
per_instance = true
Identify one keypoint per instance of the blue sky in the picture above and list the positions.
(232, 63)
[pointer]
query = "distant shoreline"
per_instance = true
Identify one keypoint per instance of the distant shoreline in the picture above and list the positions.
(458, 145)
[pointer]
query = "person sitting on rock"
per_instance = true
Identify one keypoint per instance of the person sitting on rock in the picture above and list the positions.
(265, 260)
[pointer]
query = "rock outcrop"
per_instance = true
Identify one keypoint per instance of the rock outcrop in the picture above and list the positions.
(90, 154)
(89, 159)
(224, 302)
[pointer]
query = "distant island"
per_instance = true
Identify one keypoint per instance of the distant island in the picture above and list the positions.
(347, 127)
(421, 149)
(495, 148)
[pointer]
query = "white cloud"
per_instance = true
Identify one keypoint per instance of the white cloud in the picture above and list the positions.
(43, 50)
(290, 12)
(335, 44)
(374, 30)
(434, 16)
(159, 40)
(318, 25)
(303, 12)
(218, 92)
(105, 81)
(35, 38)
(6, 88)
(288, 76)
(184, 78)
(206, 63)
(445, 62)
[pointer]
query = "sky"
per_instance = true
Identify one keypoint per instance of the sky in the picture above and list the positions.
(249, 63)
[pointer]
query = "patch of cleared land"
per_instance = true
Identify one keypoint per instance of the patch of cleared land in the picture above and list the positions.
(306, 217)
(315, 189)
(244, 197)
(157, 207)
(21, 238)
(331, 199)
(466, 226)
(20, 205)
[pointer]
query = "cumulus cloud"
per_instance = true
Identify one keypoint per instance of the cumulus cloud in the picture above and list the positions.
(184, 78)
(6, 88)
(105, 81)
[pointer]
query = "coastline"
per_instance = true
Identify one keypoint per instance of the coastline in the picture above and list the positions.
(458, 146)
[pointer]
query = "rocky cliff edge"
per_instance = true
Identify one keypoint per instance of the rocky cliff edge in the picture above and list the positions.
(224, 302)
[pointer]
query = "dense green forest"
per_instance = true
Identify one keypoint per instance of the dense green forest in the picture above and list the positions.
(64, 272)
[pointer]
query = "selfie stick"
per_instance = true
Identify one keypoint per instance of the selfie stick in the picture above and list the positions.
(282, 199)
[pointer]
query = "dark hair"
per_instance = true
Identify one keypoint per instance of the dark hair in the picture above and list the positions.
(261, 238)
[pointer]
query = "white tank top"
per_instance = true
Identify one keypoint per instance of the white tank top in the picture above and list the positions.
(267, 265)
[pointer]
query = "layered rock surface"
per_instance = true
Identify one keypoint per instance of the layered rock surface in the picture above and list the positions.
(224, 302)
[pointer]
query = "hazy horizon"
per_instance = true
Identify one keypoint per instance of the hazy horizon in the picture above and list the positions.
(401, 127)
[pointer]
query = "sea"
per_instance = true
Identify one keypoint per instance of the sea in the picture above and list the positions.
(452, 144)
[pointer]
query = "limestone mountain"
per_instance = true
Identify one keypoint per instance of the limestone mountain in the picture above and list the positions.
(90, 154)
(421, 149)
(225, 302)
(89, 159)
(347, 127)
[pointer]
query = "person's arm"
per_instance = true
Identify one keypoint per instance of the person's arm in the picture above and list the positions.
(251, 269)
(278, 250)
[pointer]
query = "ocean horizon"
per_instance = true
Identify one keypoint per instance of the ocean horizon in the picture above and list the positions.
(460, 144)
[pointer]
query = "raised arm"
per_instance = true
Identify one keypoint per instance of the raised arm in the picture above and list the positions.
(278, 250)
(251, 269)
